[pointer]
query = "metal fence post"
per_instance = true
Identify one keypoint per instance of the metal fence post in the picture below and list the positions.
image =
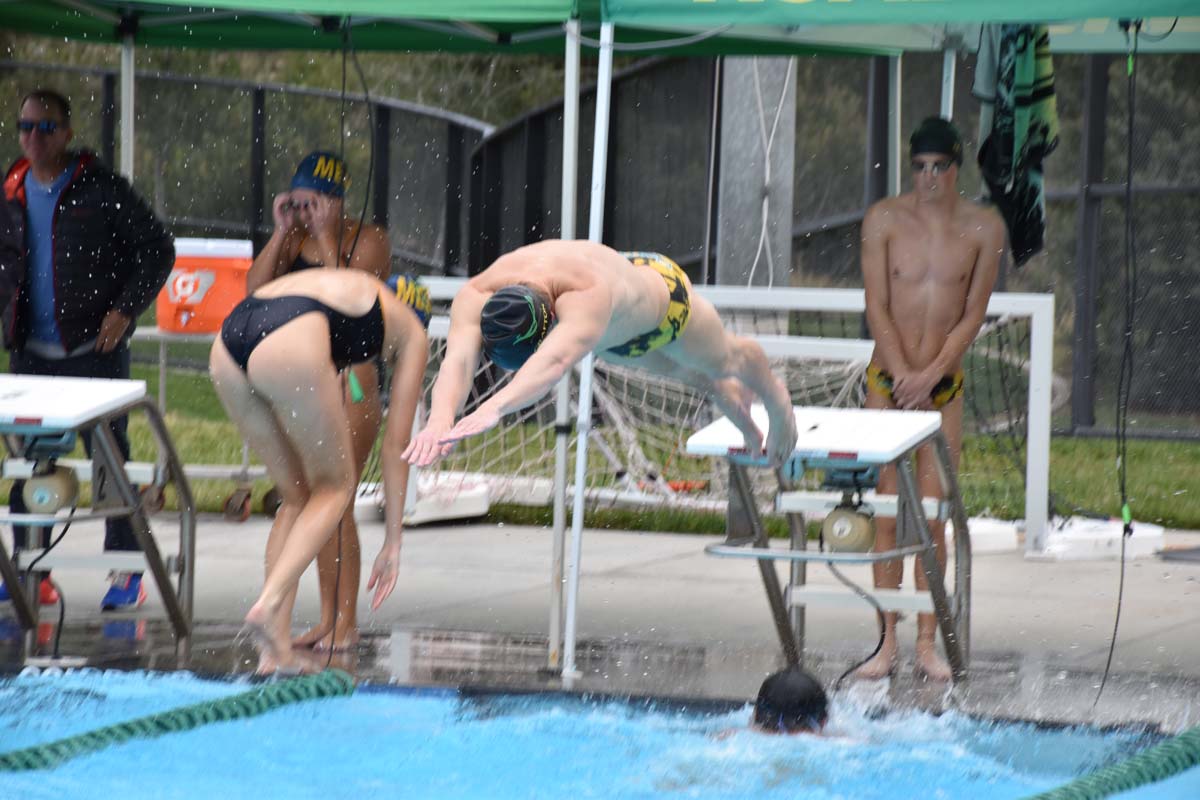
(258, 167)
(1083, 354)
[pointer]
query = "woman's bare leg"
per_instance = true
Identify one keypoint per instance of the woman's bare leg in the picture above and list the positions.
(365, 418)
(261, 430)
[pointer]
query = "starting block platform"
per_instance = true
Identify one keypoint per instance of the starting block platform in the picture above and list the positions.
(39, 417)
(845, 440)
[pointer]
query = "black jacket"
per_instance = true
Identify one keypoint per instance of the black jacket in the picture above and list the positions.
(110, 251)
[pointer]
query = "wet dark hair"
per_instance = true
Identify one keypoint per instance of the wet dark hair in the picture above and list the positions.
(791, 701)
(50, 98)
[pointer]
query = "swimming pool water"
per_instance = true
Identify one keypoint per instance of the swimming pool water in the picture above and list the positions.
(435, 744)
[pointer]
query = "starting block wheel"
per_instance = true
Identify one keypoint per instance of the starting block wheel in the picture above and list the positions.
(237, 506)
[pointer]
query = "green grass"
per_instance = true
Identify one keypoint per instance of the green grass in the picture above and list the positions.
(1163, 477)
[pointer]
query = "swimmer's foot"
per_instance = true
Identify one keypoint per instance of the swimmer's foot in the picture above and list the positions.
(270, 638)
(346, 642)
(781, 439)
(314, 635)
(930, 665)
(883, 664)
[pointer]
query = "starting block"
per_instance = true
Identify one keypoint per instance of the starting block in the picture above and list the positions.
(39, 418)
(848, 443)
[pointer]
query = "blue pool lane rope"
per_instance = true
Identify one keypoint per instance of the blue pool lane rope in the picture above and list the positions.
(1164, 760)
(259, 700)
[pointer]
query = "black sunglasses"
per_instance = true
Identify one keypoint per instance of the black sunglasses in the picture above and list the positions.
(46, 126)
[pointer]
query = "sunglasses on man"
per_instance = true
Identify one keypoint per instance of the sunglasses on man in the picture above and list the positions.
(45, 126)
(936, 167)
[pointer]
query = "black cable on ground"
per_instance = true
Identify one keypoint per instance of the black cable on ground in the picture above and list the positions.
(1125, 376)
(858, 590)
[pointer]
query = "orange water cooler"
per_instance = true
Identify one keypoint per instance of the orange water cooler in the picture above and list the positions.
(208, 280)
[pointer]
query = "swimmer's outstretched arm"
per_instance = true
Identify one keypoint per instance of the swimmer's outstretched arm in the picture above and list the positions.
(407, 379)
(454, 378)
(583, 318)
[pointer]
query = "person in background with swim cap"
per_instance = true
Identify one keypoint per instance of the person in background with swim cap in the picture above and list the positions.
(312, 231)
(929, 261)
(541, 308)
(277, 367)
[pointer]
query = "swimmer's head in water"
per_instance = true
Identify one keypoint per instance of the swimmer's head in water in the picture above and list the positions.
(414, 294)
(322, 172)
(936, 136)
(514, 322)
(791, 701)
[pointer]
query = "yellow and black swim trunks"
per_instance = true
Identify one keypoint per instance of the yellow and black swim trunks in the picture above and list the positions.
(678, 310)
(944, 391)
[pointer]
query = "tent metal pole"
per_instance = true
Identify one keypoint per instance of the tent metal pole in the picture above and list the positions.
(127, 78)
(584, 418)
(949, 64)
(894, 106)
(562, 403)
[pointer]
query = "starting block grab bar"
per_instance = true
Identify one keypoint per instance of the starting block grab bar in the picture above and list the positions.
(728, 550)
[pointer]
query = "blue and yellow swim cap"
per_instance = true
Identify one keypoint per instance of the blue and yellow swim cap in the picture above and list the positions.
(322, 172)
(415, 294)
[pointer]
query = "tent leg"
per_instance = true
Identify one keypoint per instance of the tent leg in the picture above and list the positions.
(127, 100)
(584, 419)
(562, 403)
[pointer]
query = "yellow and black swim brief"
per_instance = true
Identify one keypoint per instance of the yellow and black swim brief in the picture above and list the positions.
(678, 310)
(949, 387)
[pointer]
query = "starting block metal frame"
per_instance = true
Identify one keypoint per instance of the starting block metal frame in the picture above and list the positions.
(44, 407)
(827, 440)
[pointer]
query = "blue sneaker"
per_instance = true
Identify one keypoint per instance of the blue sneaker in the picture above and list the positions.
(126, 592)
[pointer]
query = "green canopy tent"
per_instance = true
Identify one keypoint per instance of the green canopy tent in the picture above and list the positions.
(684, 27)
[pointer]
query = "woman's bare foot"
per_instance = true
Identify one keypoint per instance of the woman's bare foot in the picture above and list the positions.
(272, 640)
(314, 635)
(882, 664)
(346, 642)
(931, 665)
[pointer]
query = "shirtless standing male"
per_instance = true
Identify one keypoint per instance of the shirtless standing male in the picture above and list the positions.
(541, 308)
(929, 261)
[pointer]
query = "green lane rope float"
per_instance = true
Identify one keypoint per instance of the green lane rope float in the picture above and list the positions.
(259, 700)
(1157, 763)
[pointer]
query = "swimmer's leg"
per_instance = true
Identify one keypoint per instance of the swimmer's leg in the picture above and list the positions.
(706, 347)
(304, 390)
(365, 417)
(729, 395)
(257, 424)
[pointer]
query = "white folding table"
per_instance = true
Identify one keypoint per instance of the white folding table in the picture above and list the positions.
(33, 411)
(849, 439)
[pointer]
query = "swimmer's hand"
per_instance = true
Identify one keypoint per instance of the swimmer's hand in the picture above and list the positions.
(426, 447)
(486, 417)
(383, 574)
(911, 390)
(284, 211)
(323, 216)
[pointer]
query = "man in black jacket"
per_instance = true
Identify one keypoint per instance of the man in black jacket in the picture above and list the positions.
(81, 257)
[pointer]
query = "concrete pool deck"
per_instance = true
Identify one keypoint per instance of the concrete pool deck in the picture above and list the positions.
(659, 617)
